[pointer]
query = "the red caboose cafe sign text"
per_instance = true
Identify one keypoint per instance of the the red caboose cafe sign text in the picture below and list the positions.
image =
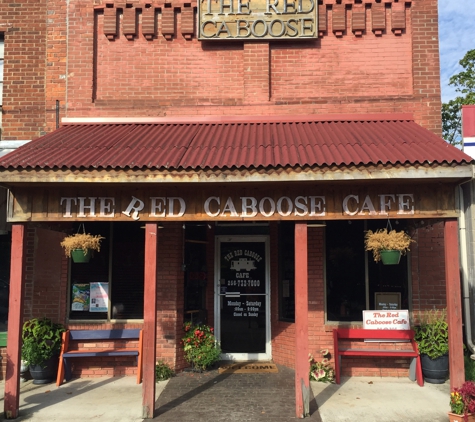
(223, 202)
(244, 207)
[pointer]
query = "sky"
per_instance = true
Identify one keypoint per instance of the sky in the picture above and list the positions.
(456, 37)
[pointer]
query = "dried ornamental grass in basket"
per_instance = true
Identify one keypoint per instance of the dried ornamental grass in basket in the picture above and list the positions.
(382, 240)
(84, 241)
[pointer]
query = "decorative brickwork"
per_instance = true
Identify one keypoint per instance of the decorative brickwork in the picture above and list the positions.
(398, 18)
(168, 21)
(129, 22)
(358, 19)
(339, 19)
(110, 22)
(322, 20)
(187, 22)
(149, 23)
(378, 18)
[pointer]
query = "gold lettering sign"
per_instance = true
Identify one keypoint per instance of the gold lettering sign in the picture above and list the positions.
(257, 19)
(224, 203)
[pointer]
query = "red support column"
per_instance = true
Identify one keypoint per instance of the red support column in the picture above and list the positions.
(454, 304)
(150, 321)
(302, 395)
(15, 317)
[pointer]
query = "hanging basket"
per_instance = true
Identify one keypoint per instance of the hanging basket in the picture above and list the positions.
(78, 256)
(390, 257)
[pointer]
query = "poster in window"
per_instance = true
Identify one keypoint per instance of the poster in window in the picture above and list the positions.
(80, 300)
(99, 297)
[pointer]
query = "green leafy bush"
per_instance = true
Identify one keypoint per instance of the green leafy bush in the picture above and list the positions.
(163, 371)
(432, 336)
(469, 368)
(200, 346)
(41, 340)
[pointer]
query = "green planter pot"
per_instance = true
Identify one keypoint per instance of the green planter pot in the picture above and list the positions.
(78, 256)
(390, 257)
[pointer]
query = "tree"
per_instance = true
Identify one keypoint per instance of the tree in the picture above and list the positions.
(464, 83)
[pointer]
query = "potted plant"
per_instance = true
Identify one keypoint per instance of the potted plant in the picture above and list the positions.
(200, 346)
(41, 347)
(387, 246)
(79, 246)
(321, 371)
(432, 338)
(462, 403)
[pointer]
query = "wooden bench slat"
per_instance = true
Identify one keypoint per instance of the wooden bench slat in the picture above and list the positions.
(104, 335)
(89, 354)
(99, 336)
(378, 353)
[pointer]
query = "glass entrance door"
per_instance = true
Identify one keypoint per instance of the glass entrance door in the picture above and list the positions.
(242, 317)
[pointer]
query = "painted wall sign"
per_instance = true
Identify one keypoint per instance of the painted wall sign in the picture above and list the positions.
(257, 20)
(395, 319)
(228, 203)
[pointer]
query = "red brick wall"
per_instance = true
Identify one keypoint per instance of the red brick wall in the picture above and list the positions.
(103, 366)
(24, 94)
(100, 71)
(170, 295)
(428, 268)
(318, 338)
(282, 332)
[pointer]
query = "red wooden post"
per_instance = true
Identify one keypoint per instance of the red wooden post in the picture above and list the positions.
(150, 321)
(454, 304)
(302, 395)
(15, 314)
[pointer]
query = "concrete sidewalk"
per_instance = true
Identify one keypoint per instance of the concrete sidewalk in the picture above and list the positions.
(373, 399)
(237, 397)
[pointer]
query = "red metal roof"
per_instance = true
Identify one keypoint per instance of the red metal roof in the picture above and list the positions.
(236, 144)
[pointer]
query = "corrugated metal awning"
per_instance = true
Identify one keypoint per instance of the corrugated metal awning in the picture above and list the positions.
(236, 144)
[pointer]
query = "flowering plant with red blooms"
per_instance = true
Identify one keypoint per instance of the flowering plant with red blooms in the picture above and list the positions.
(462, 400)
(200, 346)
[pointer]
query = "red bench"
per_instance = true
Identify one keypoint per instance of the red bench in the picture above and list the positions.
(389, 337)
(99, 343)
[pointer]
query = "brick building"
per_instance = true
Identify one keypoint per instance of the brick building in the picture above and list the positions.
(244, 156)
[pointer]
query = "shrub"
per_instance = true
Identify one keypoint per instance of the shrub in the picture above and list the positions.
(41, 340)
(200, 346)
(163, 371)
(432, 336)
(469, 368)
